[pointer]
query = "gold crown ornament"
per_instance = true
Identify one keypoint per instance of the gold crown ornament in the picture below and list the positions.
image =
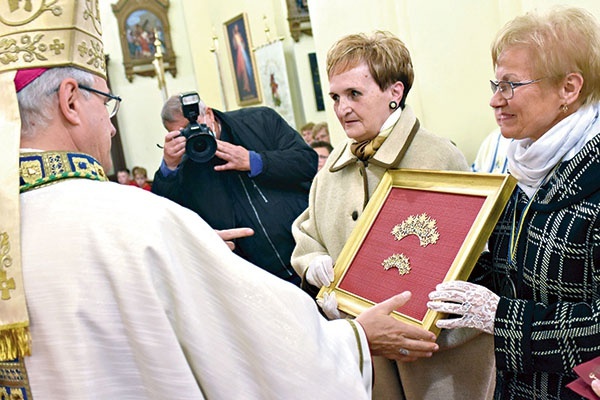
(33, 34)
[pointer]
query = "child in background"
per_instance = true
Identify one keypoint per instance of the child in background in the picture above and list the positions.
(140, 178)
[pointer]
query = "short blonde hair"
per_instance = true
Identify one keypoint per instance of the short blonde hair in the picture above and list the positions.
(139, 171)
(307, 127)
(561, 41)
(386, 56)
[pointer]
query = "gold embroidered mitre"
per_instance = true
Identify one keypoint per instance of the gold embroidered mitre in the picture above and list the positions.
(33, 34)
(51, 33)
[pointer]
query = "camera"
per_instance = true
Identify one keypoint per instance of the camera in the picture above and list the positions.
(201, 143)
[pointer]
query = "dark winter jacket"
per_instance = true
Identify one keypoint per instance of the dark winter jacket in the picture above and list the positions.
(267, 203)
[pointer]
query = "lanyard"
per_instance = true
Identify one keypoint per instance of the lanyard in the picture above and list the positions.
(505, 283)
(515, 231)
(495, 158)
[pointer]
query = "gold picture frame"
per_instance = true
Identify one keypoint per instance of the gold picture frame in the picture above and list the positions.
(140, 24)
(241, 55)
(420, 228)
(298, 18)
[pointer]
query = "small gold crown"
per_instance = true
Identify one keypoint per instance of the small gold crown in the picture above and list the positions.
(423, 226)
(399, 261)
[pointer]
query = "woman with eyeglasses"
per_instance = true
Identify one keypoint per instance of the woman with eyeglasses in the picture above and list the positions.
(540, 283)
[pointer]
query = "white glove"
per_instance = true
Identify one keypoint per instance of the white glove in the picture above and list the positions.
(329, 305)
(320, 271)
(596, 386)
(475, 303)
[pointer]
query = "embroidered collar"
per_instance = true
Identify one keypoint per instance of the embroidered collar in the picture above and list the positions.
(37, 169)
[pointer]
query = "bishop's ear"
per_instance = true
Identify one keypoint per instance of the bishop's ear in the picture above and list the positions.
(70, 99)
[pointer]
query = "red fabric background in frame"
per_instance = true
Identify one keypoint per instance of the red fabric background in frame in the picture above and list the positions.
(366, 277)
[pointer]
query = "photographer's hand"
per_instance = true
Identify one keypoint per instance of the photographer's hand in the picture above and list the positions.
(235, 157)
(174, 149)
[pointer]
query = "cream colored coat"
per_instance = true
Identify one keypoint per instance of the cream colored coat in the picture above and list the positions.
(338, 196)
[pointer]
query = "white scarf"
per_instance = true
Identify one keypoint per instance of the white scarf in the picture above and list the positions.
(532, 161)
(390, 122)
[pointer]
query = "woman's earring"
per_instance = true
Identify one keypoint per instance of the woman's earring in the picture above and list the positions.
(393, 105)
(565, 108)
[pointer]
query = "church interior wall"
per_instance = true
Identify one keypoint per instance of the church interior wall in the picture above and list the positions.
(449, 44)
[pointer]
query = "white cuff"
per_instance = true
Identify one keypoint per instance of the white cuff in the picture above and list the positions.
(364, 355)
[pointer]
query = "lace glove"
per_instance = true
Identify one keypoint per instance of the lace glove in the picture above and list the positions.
(476, 304)
(329, 305)
(320, 271)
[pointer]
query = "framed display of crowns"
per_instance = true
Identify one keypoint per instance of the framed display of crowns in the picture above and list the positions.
(420, 228)
(143, 28)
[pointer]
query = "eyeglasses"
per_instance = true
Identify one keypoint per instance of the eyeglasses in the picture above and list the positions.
(507, 88)
(112, 104)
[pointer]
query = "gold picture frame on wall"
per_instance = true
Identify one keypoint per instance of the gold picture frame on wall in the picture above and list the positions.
(141, 23)
(241, 55)
(420, 228)
(298, 18)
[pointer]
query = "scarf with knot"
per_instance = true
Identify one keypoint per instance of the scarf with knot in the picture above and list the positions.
(366, 149)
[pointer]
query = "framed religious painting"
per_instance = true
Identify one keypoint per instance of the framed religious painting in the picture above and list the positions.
(144, 29)
(420, 228)
(243, 66)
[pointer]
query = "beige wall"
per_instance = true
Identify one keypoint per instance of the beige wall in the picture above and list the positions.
(449, 43)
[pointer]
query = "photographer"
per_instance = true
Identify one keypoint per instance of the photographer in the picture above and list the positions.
(259, 177)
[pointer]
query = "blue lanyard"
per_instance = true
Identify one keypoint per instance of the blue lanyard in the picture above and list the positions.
(495, 158)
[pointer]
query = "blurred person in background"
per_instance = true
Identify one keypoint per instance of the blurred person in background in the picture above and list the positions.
(323, 149)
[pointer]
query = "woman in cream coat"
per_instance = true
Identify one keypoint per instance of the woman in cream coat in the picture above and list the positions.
(370, 77)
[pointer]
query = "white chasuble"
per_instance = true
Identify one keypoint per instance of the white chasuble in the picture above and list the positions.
(131, 296)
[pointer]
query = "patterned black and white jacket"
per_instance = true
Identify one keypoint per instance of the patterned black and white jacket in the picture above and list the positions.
(548, 318)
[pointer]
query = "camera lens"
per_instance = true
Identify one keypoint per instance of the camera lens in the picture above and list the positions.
(201, 147)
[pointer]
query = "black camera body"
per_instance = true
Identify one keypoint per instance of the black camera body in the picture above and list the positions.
(201, 143)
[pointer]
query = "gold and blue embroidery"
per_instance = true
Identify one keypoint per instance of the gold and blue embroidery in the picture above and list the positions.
(14, 384)
(40, 169)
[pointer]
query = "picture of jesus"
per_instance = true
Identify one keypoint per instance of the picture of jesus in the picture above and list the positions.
(242, 61)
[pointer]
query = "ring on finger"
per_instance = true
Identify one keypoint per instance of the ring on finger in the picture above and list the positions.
(404, 352)
(465, 307)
